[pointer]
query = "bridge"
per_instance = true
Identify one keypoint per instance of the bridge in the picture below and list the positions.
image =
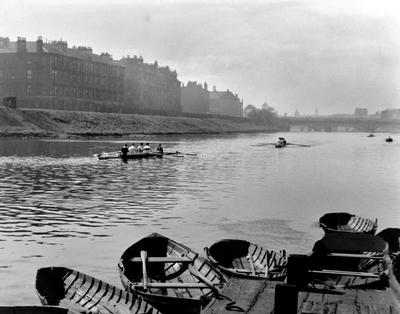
(341, 124)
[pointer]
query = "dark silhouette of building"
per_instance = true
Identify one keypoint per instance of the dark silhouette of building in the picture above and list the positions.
(390, 114)
(149, 87)
(225, 103)
(195, 98)
(54, 76)
(361, 112)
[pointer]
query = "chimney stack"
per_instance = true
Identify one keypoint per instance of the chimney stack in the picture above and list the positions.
(39, 44)
(21, 45)
(214, 89)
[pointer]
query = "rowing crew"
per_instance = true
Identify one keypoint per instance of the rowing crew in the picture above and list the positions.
(131, 150)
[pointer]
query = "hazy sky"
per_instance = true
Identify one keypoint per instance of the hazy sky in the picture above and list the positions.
(327, 55)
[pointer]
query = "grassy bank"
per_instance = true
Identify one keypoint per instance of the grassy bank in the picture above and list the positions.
(40, 123)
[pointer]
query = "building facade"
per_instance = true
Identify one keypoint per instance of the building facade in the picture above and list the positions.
(225, 103)
(149, 87)
(54, 76)
(195, 98)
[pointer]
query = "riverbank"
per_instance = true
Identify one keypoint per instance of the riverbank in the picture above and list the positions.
(65, 124)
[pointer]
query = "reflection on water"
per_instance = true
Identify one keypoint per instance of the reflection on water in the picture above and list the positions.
(59, 205)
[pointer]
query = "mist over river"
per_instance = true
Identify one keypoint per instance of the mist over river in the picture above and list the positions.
(61, 206)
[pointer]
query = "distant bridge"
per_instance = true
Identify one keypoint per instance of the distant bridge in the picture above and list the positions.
(341, 124)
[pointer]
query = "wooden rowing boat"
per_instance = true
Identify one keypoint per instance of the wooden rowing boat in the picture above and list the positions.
(168, 275)
(342, 260)
(345, 222)
(244, 259)
(82, 293)
(33, 309)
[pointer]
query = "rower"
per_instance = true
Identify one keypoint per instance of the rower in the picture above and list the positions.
(147, 148)
(160, 149)
(124, 150)
(132, 149)
(140, 148)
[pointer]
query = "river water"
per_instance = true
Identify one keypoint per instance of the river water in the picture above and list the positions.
(60, 206)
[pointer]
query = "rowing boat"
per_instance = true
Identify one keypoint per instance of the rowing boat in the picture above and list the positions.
(342, 260)
(345, 222)
(168, 275)
(83, 294)
(241, 258)
(118, 155)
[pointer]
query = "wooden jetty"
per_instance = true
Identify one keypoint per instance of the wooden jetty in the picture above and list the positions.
(261, 297)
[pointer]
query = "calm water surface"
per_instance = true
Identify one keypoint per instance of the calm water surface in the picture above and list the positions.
(60, 206)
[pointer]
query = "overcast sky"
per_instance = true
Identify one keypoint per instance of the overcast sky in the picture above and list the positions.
(330, 56)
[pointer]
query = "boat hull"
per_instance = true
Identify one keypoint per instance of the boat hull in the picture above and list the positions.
(345, 222)
(241, 258)
(82, 293)
(170, 299)
(134, 156)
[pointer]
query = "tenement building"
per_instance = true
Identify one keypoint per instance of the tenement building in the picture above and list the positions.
(150, 88)
(225, 103)
(50, 75)
(195, 98)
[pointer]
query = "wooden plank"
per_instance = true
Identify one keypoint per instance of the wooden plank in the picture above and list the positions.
(173, 285)
(243, 295)
(366, 256)
(154, 259)
(143, 256)
(345, 273)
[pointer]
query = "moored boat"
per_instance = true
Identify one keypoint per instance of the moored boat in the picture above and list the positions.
(345, 222)
(389, 139)
(342, 260)
(170, 276)
(244, 259)
(84, 294)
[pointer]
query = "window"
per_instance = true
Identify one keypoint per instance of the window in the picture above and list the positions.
(29, 74)
(29, 89)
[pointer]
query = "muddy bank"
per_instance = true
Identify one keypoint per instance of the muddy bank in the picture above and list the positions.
(40, 123)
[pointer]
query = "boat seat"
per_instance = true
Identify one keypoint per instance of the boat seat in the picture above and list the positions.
(156, 259)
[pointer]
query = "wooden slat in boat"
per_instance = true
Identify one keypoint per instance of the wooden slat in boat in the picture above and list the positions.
(175, 285)
(345, 222)
(245, 259)
(83, 293)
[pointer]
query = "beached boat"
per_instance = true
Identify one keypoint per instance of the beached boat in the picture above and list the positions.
(84, 294)
(168, 275)
(342, 260)
(244, 259)
(345, 222)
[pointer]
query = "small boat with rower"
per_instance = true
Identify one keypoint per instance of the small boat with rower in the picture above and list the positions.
(345, 222)
(170, 276)
(388, 139)
(240, 258)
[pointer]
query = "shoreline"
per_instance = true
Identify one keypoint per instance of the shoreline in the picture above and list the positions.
(34, 123)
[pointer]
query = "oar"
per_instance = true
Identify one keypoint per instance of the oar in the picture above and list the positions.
(298, 144)
(187, 154)
(263, 144)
